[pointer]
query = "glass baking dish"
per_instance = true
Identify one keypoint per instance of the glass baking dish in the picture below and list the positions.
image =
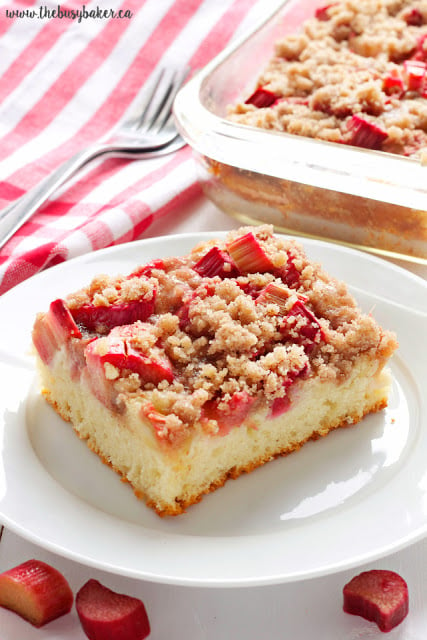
(367, 199)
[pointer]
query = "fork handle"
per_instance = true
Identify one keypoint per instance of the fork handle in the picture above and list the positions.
(21, 210)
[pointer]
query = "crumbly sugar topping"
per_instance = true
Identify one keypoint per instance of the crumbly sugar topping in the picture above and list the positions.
(106, 290)
(212, 344)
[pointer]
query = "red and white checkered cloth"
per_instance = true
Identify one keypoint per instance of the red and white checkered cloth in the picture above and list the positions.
(66, 82)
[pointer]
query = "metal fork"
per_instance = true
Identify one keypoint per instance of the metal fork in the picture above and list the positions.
(149, 131)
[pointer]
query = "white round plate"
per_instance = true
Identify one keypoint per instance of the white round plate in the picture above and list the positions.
(344, 500)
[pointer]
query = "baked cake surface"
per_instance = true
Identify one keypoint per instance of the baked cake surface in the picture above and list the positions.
(355, 73)
(194, 369)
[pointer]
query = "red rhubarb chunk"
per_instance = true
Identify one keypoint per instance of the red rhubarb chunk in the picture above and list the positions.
(100, 318)
(290, 274)
(310, 329)
(249, 289)
(393, 85)
(377, 595)
(281, 405)
(274, 294)
(147, 269)
(306, 330)
(216, 263)
(54, 329)
(322, 13)
(35, 591)
(43, 339)
(63, 324)
(183, 314)
(120, 353)
(249, 255)
(364, 133)
(107, 615)
(415, 73)
(148, 369)
(157, 419)
(414, 17)
(206, 289)
(232, 414)
(261, 98)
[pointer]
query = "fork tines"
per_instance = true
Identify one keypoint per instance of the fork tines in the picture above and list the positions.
(158, 101)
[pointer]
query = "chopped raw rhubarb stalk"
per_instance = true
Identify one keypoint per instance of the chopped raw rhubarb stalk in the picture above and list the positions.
(274, 293)
(305, 330)
(393, 84)
(250, 289)
(148, 369)
(35, 591)
(415, 73)
(414, 17)
(157, 419)
(280, 405)
(216, 263)
(238, 408)
(290, 274)
(312, 328)
(62, 322)
(103, 318)
(43, 339)
(106, 615)
(365, 134)
(53, 329)
(183, 313)
(261, 98)
(101, 387)
(378, 595)
(147, 269)
(322, 12)
(249, 255)
(116, 349)
(233, 414)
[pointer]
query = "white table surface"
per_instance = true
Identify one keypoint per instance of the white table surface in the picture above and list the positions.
(304, 610)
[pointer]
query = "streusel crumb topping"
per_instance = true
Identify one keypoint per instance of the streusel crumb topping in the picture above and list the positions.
(237, 323)
(106, 290)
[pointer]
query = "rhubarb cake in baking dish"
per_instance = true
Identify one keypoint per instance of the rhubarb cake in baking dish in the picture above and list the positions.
(191, 370)
(355, 73)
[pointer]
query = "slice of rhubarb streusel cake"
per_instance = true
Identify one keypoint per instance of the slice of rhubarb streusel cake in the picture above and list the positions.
(191, 370)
